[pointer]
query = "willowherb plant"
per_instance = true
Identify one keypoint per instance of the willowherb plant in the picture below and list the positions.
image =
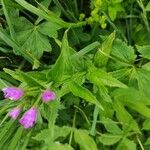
(75, 75)
(30, 116)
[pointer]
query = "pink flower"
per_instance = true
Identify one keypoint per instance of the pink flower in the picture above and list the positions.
(48, 95)
(13, 93)
(14, 113)
(29, 118)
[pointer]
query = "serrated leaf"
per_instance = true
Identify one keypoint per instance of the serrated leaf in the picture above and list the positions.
(122, 51)
(62, 131)
(102, 55)
(24, 77)
(144, 50)
(103, 91)
(84, 140)
(34, 42)
(43, 135)
(49, 29)
(124, 117)
(109, 139)
(62, 65)
(98, 77)
(133, 99)
(84, 93)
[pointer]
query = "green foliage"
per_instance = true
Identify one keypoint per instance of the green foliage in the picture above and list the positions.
(94, 55)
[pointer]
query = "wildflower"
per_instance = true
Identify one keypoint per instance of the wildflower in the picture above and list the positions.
(13, 93)
(14, 113)
(29, 118)
(48, 95)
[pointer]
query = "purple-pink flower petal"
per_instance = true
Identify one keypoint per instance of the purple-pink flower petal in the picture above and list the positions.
(13, 93)
(48, 95)
(29, 118)
(14, 113)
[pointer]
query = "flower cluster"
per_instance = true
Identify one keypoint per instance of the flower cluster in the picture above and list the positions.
(30, 116)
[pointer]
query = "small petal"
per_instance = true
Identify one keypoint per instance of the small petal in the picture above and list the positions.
(29, 118)
(14, 113)
(13, 93)
(48, 95)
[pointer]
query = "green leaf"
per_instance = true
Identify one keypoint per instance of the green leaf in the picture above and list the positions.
(125, 118)
(84, 93)
(139, 78)
(84, 140)
(144, 50)
(43, 135)
(102, 55)
(146, 124)
(49, 29)
(103, 91)
(63, 131)
(114, 9)
(133, 99)
(59, 146)
(123, 52)
(62, 65)
(148, 7)
(24, 77)
(109, 139)
(100, 77)
(34, 42)
(130, 95)
(126, 144)
(28, 56)
(111, 126)
(146, 66)
(147, 141)
(121, 73)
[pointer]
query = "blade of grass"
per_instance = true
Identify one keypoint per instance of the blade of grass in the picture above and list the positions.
(15, 139)
(26, 141)
(12, 32)
(57, 3)
(50, 16)
(85, 50)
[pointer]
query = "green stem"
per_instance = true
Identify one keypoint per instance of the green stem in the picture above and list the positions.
(73, 125)
(140, 143)
(37, 101)
(95, 116)
(84, 115)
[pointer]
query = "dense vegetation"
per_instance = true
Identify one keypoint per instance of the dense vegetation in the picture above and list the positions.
(78, 72)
